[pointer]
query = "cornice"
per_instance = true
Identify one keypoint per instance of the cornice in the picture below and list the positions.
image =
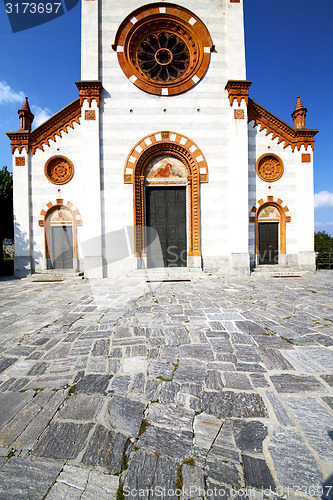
(48, 130)
(279, 129)
(89, 89)
(238, 89)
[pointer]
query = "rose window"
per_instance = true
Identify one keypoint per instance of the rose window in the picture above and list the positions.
(163, 49)
(163, 56)
(59, 170)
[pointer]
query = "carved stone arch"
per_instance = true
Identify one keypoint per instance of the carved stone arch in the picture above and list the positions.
(51, 207)
(284, 218)
(182, 148)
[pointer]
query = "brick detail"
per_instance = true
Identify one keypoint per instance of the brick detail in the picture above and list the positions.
(89, 114)
(59, 202)
(20, 161)
(239, 114)
(306, 158)
(234, 1)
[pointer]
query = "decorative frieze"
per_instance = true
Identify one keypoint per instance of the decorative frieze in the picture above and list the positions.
(279, 129)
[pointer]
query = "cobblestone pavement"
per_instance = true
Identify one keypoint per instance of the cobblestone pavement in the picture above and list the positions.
(220, 388)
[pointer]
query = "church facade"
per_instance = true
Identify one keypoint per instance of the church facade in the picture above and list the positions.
(163, 160)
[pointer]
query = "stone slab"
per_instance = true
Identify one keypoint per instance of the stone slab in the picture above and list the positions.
(125, 414)
(294, 464)
(290, 383)
(257, 473)
(228, 404)
(91, 384)
(249, 435)
(27, 478)
(62, 440)
(170, 417)
(105, 449)
(316, 423)
(81, 407)
(11, 403)
(176, 445)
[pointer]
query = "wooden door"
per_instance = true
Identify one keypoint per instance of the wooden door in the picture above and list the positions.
(166, 217)
(61, 247)
(268, 242)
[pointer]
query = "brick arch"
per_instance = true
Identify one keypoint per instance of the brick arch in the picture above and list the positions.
(166, 138)
(57, 203)
(47, 210)
(179, 146)
(284, 217)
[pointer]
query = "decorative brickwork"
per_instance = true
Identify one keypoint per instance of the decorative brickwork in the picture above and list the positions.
(306, 158)
(238, 89)
(239, 114)
(89, 114)
(89, 90)
(284, 217)
(269, 167)
(57, 203)
(20, 161)
(279, 129)
(163, 49)
(59, 169)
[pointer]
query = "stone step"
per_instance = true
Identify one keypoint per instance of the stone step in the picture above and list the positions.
(167, 273)
(277, 271)
(50, 275)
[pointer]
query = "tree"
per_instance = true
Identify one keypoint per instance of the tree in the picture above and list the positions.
(6, 208)
(323, 242)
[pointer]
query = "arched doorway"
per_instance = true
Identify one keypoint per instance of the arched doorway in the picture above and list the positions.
(165, 217)
(59, 238)
(166, 169)
(268, 234)
(60, 220)
(270, 215)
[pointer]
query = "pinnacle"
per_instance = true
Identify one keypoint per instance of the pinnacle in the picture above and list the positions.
(299, 104)
(26, 106)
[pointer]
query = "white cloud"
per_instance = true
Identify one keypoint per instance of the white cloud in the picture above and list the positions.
(324, 224)
(323, 199)
(41, 115)
(9, 95)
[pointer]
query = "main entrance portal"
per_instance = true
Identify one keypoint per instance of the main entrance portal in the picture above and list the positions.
(166, 218)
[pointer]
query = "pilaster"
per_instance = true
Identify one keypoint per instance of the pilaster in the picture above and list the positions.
(89, 40)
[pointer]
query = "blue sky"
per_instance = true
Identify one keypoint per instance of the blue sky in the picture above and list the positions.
(288, 47)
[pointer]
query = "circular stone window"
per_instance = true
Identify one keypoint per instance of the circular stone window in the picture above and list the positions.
(59, 170)
(164, 49)
(269, 167)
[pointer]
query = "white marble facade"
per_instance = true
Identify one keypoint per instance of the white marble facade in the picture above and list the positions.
(221, 127)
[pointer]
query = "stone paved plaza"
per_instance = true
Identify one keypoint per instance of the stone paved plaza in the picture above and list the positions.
(220, 388)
